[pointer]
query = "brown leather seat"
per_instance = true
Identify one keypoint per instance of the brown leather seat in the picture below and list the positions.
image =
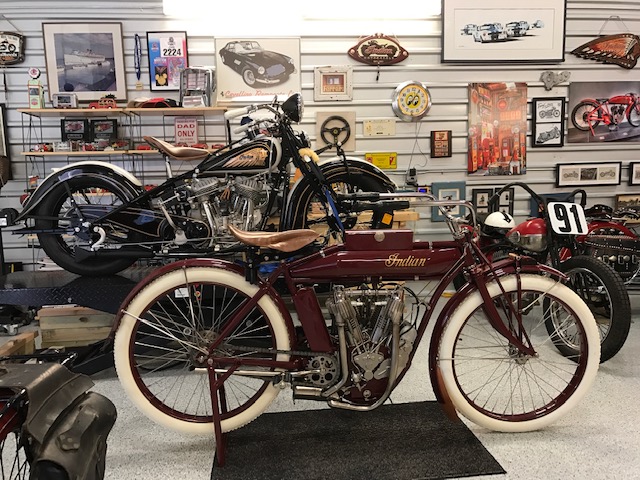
(188, 154)
(288, 241)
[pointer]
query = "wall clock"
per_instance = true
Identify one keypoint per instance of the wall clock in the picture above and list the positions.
(411, 101)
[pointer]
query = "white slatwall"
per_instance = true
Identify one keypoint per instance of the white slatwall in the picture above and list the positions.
(371, 97)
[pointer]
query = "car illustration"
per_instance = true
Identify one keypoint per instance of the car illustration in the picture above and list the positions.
(489, 32)
(517, 29)
(255, 64)
(468, 29)
(537, 24)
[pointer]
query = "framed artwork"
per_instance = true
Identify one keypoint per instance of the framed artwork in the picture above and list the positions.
(440, 143)
(503, 31)
(505, 202)
(167, 58)
(629, 201)
(588, 174)
(497, 143)
(250, 69)
(5, 161)
(447, 191)
(85, 58)
(548, 122)
(634, 173)
(332, 83)
(480, 198)
(603, 112)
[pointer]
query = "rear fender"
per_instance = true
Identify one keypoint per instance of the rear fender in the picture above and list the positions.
(112, 174)
(502, 268)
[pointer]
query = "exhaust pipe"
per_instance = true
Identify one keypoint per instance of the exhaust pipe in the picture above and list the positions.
(82, 254)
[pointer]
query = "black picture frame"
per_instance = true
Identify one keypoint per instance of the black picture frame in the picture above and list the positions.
(634, 173)
(480, 199)
(104, 129)
(547, 122)
(505, 202)
(440, 143)
(75, 129)
(594, 174)
(4, 133)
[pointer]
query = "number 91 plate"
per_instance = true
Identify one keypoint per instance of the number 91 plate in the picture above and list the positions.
(567, 218)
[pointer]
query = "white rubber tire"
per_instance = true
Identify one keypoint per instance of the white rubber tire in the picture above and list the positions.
(470, 304)
(150, 293)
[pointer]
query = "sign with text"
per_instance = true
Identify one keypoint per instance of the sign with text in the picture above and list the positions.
(383, 160)
(186, 130)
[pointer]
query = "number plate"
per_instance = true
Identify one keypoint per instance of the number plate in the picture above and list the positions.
(567, 218)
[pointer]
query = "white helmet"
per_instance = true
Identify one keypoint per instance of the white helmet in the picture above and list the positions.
(497, 224)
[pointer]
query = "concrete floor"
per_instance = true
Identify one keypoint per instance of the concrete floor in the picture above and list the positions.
(600, 439)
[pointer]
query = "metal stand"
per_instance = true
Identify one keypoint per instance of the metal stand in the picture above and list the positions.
(219, 407)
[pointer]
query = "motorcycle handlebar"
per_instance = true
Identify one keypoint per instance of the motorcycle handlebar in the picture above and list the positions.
(238, 112)
(245, 127)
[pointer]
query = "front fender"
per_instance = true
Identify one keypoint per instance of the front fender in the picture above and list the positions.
(89, 169)
(502, 268)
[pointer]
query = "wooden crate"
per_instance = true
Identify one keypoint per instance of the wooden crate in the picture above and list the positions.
(21, 344)
(69, 326)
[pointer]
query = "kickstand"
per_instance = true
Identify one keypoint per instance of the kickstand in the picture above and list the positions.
(219, 407)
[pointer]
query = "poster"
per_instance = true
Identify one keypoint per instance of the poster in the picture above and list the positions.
(167, 58)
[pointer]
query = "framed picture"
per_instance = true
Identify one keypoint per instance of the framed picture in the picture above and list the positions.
(85, 58)
(505, 202)
(104, 129)
(447, 191)
(480, 198)
(332, 83)
(630, 201)
(588, 174)
(501, 31)
(548, 122)
(75, 129)
(167, 58)
(5, 162)
(634, 173)
(440, 143)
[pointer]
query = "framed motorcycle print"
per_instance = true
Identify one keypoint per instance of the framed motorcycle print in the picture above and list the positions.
(503, 31)
(634, 173)
(588, 174)
(167, 58)
(547, 128)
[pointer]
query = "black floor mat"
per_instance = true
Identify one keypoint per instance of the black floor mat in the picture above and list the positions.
(401, 441)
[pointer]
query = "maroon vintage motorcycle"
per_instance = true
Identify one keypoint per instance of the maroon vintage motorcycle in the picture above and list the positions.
(205, 345)
(590, 112)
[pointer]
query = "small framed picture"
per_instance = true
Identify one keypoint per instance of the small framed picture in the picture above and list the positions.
(588, 174)
(167, 58)
(634, 173)
(104, 129)
(628, 201)
(440, 143)
(505, 202)
(332, 83)
(548, 122)
(75, 129)
(447, 191)
(480, 198)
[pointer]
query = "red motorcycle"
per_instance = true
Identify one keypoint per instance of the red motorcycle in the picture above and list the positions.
(205, 345)
(589, 113)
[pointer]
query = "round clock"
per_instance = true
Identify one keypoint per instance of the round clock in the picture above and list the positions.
(411, 101)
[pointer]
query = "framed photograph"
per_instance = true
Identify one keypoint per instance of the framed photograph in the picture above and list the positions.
(167, 58)
(446, 191)
(104, 129)
(588, 174)
(5, 161)
(332, 83)
(629, 201)
(440, 143)
(480, 198)
(548, 122)
(503, 31)
(86, 59)
(75, 129)
(634, 173)
(505, 202)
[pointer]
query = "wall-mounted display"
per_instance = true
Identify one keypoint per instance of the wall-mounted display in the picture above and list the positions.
(332, 83)
(447, 191)
(411, 101)
(588, 174)
(440, 143)
(547, 128)
(167, 59)
(11, 48)
(604, 112)
(497, 129)
(258, 67)
(336, 127)
(480, 198)
(85, 58)
(634, 173)
(498, 31)
(622, 49)
(378, 49)
(383, 160)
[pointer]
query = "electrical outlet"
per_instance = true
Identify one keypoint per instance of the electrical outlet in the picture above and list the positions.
(412, 177)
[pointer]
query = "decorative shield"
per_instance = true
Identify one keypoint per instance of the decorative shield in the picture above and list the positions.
(622, 49)
(11, 48)
(378, 49)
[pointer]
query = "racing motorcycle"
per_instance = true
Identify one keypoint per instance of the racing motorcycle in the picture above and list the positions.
(590, 112)
(205, 345)
(553, 238)
(94, 218)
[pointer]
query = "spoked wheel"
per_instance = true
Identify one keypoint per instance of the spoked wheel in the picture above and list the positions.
(63, 209)
(604, 292)
(580, 116)
(494, 384)
(14, 464)
(162, 342)
(633, 115)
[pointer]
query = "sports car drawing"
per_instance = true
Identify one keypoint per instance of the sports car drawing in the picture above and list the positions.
(489, 32)
(256, 65)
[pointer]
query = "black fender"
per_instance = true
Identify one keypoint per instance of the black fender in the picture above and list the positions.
(501, 268)
(357, 166)
(112, 174)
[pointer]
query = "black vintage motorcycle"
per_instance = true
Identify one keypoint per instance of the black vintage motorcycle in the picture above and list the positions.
(94, 218)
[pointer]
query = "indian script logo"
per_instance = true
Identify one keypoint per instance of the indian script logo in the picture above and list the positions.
(395, 260)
